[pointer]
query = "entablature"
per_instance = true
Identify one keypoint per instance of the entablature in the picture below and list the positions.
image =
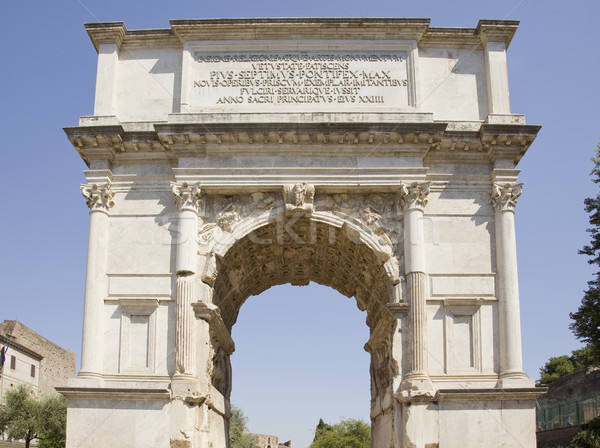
(333, 139)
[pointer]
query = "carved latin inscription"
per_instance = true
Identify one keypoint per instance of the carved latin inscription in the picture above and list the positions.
(292, 80)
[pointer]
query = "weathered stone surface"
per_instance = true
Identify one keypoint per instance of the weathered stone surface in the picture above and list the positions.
(375, 156)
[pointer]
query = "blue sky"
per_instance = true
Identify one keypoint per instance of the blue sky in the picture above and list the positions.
(299, 350)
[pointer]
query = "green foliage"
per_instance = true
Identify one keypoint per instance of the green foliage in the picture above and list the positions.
(239, 435)
(53, 422)
(346, 434)
(26, 418)
(589, 436)
(563, 365)
(586, 320)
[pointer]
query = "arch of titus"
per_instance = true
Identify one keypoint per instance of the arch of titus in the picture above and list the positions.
(375, 156)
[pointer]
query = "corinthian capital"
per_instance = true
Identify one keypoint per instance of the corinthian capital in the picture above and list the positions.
(504, 196)
(413, 195)
(186, 195)
(98, 197)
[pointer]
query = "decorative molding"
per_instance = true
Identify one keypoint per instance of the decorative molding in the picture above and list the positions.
(167, 141)
(98, 197)
(132, 393)
(463, 312)
(145, 308)
(211, 314)
(298, 198)
(490, 394)
(413, 196)
(187, 196)
(504, 196)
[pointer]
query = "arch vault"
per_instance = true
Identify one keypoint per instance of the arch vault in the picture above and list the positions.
(375, 156)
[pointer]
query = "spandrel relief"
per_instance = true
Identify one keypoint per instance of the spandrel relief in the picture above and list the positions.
(378, 213)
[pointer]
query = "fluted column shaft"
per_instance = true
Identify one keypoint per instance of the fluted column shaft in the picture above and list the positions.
(188, 202)
(413, 199)
(504, 199)
(417, 322)
(99, 200)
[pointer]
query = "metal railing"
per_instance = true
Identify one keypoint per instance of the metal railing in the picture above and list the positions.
(572, 412)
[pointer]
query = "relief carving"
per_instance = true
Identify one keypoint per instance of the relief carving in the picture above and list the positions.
(187, 196)
(383, 368)
(413, 195)
(230, 210)
(298, 198)
(504, 197)
(98, 197)
(376, 212)
(221, 370)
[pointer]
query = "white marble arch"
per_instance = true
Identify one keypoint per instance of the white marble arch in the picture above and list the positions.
(333, 250)
(403, 199)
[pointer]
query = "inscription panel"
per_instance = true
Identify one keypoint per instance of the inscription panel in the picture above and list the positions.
(293, 81)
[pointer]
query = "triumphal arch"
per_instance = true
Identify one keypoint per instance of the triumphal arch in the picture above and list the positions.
(375, 156)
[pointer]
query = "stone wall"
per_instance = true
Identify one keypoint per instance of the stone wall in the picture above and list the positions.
(57, 365)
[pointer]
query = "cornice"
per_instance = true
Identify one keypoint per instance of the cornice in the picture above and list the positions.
(489, 394)
(507, 141)
(427, 139)
(114, 393)
(497, 30)
(7, 340)
(301, 28)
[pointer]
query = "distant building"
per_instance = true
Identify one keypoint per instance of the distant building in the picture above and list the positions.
(268, 441)
(33, 360)
(570, 401)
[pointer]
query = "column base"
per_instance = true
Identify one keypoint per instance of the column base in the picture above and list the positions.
(514, 380)
(89, 375)
(417, 382)
(188, 390)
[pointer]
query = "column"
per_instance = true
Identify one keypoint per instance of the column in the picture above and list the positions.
(189, 202)
(99, 200)
(413, 199)
(504, 199)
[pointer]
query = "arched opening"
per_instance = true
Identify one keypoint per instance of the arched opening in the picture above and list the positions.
(300, 357)
(299, 251)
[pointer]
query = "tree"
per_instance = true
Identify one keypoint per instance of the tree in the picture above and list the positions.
(21, 414)
(346, 434)
(586, 320)
(26, 418)
(239, 435)
(53, 422)
(563, 365)
(589, 436)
